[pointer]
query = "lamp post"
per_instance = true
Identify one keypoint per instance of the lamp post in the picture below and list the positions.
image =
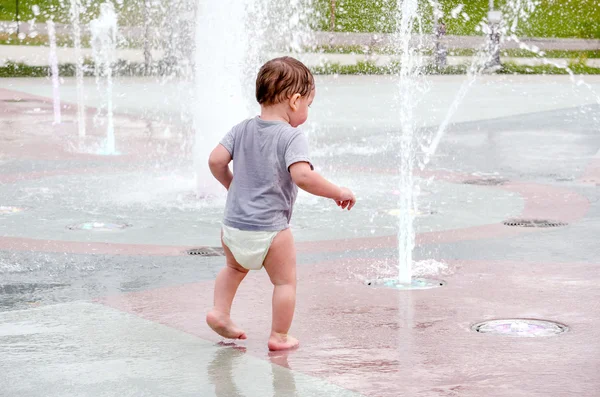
(17, 15)
(441, 52)
(147, 40)
(332, 16)
(494, 19)
(439, 31)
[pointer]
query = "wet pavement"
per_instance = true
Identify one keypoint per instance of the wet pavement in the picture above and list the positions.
(119, 311)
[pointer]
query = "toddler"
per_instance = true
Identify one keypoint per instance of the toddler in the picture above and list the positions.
(270, 161)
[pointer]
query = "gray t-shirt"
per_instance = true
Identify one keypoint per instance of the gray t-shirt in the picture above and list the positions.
(262, 193)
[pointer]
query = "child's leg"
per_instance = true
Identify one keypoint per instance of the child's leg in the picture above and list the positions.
(280, 264)
(226, 285)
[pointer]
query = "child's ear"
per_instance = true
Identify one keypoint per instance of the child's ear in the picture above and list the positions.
(294, 101)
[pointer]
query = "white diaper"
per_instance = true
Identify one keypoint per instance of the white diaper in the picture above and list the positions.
(249, 248)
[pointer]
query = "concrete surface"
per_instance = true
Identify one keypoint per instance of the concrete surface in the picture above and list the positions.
(121, 312)
(38, 56)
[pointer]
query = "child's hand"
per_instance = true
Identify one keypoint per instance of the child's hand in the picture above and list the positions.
(346, 199)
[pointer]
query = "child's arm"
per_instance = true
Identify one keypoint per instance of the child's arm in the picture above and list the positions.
(312, 182)
(218, 163)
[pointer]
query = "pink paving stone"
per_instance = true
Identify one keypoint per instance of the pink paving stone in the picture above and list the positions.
(58, 142)
(11, 95)
(383, 342)
(8, 95)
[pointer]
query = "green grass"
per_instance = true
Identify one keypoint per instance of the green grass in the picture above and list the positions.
(129, 11)
(356, 15)
(11, 69)
(120, 68)
(369, 68)
(61, 41)
(47, 7)
(362, 68)
(565, 18)
(351, 49)
(514, 53)
(577, 68)
(552, 18)
(21, 70)
(39, 40)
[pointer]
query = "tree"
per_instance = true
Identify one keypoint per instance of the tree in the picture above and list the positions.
(332, 16)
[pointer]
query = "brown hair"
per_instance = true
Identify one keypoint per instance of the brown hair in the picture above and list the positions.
(280, 78)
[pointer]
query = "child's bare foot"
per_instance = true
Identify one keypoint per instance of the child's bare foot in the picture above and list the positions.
(282, 342)
(221, 323)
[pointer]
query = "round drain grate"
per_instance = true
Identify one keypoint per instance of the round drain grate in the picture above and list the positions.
(99, 226)
(520, 327)
(533, 223)
(10, 209)
(16, 100)
(206, 251)
(416, 283)
(486, 182)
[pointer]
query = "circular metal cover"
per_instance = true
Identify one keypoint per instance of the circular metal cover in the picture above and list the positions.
(206, 251)
(486, 182)
(98, 226)
(520, 327)
(533, 223)
(416, 283)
